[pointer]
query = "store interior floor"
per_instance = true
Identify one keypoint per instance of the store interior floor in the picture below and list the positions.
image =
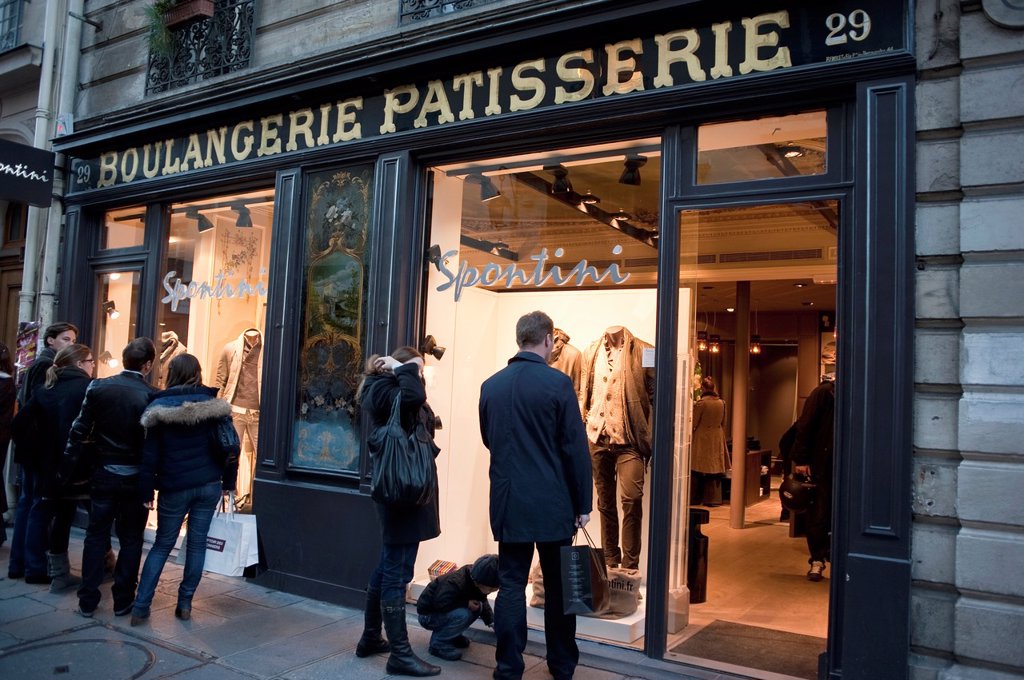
(757, 577)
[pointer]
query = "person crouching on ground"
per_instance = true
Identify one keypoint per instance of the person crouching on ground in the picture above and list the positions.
(451, 603)
(182, 458)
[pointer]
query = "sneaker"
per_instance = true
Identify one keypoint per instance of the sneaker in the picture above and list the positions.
(87, 613)
(816, 572)
(125, 610)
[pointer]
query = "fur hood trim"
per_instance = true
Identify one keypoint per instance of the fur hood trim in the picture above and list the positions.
(171, 411)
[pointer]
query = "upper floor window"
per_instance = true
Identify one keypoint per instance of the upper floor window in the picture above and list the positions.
(201, 47)
(10, 24)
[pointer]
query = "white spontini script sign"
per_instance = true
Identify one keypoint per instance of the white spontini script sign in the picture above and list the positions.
(508, 275)
(219, 289)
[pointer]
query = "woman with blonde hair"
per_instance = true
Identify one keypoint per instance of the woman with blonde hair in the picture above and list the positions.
(402, 528)
(42, 427)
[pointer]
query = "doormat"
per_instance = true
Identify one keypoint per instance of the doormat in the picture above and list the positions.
(753, 647)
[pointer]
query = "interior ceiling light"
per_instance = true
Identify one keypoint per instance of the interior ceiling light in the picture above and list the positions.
(799, 285)
(730, 309)
(791, 151)
(203, 223)
(244, 216)
(488, 192)
(622, 215)
(561, 185)
(111, 309)
(589, 199)
(702, 341)
(716, 343)
(107, 358)
(631, 170)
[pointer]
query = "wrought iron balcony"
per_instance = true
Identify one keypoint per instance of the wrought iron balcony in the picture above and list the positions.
(10, 24)
(206, 48)
(418, 10)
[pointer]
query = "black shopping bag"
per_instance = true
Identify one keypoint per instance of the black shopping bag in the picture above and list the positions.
(584, 579)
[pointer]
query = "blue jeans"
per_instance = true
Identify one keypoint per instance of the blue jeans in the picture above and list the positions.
(447, 626)
(21, 559)
(394, 570)
(199, 503)
(116, 502)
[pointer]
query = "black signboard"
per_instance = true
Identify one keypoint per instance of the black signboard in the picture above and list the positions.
(693, 46)
(26, 174)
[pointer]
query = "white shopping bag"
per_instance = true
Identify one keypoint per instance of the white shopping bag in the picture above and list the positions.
(230, 545)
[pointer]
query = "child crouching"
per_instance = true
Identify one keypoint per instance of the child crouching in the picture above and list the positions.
(452, 602)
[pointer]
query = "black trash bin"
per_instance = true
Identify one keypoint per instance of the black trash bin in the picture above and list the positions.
(697, 557)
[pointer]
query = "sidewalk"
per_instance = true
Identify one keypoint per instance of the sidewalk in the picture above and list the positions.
(239, 630)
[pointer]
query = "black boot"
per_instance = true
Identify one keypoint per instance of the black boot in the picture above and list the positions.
(402, 660)
(372, 642)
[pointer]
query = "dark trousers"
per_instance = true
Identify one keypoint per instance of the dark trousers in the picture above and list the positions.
(117, 503)
(49, 525)
(619, 475)
(22, 560)
(514, 561)
(394, 570)
(819, 522)
(445, 627)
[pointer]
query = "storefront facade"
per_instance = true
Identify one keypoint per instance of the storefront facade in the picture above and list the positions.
(287, 234)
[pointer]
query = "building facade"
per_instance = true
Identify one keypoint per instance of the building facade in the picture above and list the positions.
(291, 187)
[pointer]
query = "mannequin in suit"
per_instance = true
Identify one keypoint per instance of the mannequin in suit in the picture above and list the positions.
(239, 377)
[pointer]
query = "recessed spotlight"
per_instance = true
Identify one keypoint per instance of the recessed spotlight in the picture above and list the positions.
(799, 285)
(730, 309)
(807, 304)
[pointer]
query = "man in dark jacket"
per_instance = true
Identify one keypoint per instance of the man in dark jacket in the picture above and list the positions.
(33, 566)
(453, 601)
(812, 456)
(541, 483)
(110, 419)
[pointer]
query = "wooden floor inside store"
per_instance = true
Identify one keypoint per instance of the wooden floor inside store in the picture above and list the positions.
(757, 578)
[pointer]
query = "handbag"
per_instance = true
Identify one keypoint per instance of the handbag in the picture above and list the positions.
(403, 464)
(231, 544)
(584, 579)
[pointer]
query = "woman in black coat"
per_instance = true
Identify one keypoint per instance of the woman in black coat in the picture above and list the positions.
(42, 427)
(8, 392)
(402, 529)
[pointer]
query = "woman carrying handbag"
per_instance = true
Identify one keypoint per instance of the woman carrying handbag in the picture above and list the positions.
(184, 459)
(402, 527)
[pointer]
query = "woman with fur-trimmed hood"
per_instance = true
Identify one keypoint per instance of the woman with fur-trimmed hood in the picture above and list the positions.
(182, 458)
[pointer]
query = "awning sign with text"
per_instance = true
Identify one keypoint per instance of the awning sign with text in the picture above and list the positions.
(26, 174)
(743, 43)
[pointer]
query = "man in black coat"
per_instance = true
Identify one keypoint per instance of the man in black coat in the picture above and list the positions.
(110, 418)
(541, 491)
(812, 456)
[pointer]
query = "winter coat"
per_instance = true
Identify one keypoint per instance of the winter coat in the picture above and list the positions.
(110, 418)
(639, 389)
(42, 426)
(8, 395)
(815, 429)
(541, 476)
(403, 525)
(709, 453)
(453, 591)
(35, 377)
(181, 449)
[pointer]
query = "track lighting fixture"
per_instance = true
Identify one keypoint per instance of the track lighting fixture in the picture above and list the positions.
(110, 309)
(791, 151)
(108, 359)
(244, 216)
(203, 223)
(434, 256)
(488, 192)
(631, 170)
(430, 346)
(589, 199)
(561, 185)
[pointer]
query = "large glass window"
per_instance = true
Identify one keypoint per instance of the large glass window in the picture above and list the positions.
(116, 318)
(213, 304)
(573, 232)
(330, 363)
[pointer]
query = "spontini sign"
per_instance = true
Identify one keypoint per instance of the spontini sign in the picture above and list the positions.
(685, 56)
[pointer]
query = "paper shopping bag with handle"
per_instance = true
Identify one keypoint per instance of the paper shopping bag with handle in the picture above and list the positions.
(584, 579)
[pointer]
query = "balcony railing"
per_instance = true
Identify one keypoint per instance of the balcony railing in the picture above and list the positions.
(418, 10)
(10, 24)
(206, 48)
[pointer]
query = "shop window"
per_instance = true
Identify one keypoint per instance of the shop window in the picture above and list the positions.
(123, 228)
(574, 233)
(764, 148)
(330, 364)
(15, 224)
(116, 318)
(214, 304)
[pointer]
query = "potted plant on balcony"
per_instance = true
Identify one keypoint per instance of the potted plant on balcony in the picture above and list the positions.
(163, 15)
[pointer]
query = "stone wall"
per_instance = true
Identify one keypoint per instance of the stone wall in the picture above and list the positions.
(967, 617)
